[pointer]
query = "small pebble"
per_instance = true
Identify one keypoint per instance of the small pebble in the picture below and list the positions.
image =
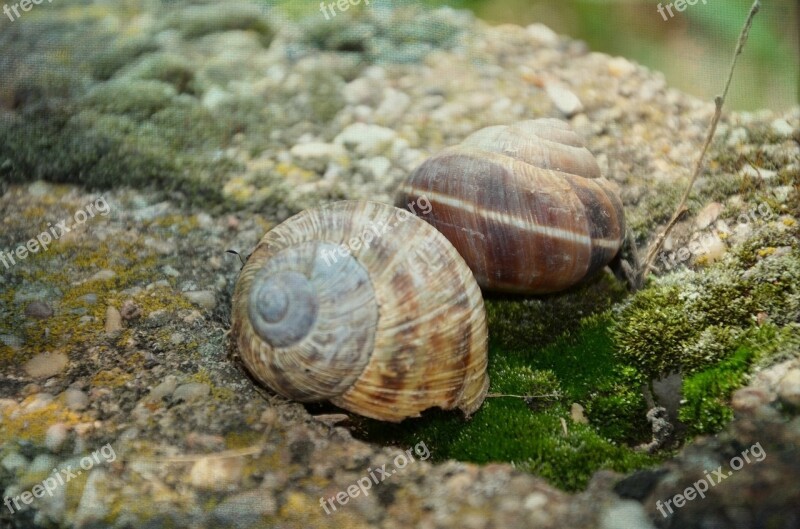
(55, 436)
(168, 270)
(113, 321)
(624, 515)
(39, 310)
(75, 399)
(89, 299)
(748, 399)
(204, 298)
(216, 473)
(781, 127)
(165, 388)
(36, 402)
(708, 215)
(130, 310)
(789, 388)
(564, 100)
(103, 275)
(9, 340)
(45, 365)
(14, 461)
(576, 412)
(191, 391)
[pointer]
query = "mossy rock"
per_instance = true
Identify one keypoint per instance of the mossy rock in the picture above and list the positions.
(197, 21)
(123, 52)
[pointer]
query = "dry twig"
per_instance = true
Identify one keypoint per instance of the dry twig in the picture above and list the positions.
(655, 247)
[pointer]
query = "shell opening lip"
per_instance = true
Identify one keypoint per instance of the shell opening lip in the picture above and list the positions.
(283, 308)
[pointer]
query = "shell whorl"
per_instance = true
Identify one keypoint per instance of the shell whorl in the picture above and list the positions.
(525, 206)
(390, 328)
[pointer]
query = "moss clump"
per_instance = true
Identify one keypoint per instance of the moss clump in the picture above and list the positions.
(714, 325)
(168, 68)
(707, 393)
(123, 52)
(138, 99)
(652, 329)
(197, 21)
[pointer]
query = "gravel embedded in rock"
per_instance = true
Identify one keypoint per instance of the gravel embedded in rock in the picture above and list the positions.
(46, 365)
(205, 298)
(39, 310)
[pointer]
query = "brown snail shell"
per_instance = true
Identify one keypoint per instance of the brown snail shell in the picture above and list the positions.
(523, 204)
(391, 328)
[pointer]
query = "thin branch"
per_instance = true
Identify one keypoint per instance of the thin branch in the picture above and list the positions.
(652, 252)
(547, 396)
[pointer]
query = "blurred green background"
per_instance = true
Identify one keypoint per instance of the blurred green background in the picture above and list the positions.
(693, 49)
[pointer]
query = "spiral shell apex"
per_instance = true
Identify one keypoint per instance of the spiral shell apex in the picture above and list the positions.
(525, 206)
(367, 306)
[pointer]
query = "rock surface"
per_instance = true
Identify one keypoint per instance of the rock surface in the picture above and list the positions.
(196, 130)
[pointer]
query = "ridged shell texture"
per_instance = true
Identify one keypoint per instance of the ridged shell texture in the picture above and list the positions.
(391, 327)
(523, 204)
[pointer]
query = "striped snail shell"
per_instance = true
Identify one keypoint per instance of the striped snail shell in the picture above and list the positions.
(523, 204)
(364, 305)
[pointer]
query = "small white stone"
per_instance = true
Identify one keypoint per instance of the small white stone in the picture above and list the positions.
(782, 128)
(360, 91)
(757, 172)
(789, 388)
(13, 462)
(316, 156)
(216, 473)
(563, 98)
(168, 270)
(542, 34)
(165, 388)
(103, 275)
(113, 321)
(191, 391)
(366, 139)
(707, 215)
(620, 67)
(576, 412)
(215, 96)
(377, 167)
(204, 298)
(737, 136)
(55, 436)
(535, 501)
(624, 515)
(393, 107)
(45, 365)
(75, 399)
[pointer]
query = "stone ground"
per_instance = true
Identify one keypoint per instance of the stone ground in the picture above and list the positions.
(117, 333)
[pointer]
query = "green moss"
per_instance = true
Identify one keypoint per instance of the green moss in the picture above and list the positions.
(168, 68)
(707, 393)
(123, 52)
(532, 323)
(197, 21)
(652, 329)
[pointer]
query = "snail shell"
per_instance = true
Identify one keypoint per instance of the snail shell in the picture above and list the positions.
(523, 204)
(367, 306)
